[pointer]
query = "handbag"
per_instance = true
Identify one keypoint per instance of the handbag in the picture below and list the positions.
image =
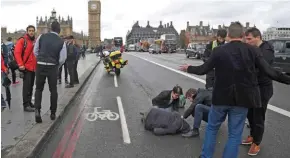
(6, 82)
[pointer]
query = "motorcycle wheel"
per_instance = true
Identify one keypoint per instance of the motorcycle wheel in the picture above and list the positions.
(118, 72)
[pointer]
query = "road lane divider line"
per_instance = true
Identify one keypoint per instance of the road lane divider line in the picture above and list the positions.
(270, 107)
(125, 131)
(115, 81)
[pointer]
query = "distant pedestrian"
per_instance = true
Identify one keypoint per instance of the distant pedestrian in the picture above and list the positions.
(50, 51)
(26, 61)
(10, 45)
(235, 88)
(71, 60)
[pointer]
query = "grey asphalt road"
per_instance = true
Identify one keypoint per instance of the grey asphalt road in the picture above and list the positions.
(138, 83)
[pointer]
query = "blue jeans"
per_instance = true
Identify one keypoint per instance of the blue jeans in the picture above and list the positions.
(201, 111)
(236, 121)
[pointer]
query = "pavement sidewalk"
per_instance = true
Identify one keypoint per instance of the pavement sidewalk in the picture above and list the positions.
(20, 133)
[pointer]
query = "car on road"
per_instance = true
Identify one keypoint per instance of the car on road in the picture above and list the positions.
(154, 49)
(195, 50)
(131, 48)
(282, 54)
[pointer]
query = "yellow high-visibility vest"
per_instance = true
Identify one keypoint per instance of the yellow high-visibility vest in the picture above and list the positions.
(214, 44)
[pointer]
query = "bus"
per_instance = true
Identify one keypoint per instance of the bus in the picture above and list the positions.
(118, 43)
(169, 43)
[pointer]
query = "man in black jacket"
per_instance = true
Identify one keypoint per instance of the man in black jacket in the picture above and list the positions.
(71, 61)
(168, 99)
(162, 122)
(221, 36)
(256, 116)
(50, 51)
(201, 101)
(235, 89)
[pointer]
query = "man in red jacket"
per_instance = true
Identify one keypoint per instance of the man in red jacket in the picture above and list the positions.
(27, 63)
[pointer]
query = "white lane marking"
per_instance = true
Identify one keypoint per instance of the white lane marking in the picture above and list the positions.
(115, 81)
(270, 107)
(126, 136)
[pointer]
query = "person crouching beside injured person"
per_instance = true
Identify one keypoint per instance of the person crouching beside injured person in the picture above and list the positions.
(162, 122)
(168, 99)
(201, 101)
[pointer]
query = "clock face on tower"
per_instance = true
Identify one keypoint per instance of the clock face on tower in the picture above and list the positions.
(93, 6)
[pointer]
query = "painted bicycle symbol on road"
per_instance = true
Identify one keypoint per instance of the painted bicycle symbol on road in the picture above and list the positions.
(102, 115)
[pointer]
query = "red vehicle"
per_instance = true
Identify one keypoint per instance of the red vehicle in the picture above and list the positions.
(118, 44)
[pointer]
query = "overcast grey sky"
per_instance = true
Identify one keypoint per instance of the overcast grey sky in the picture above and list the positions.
(118, 16)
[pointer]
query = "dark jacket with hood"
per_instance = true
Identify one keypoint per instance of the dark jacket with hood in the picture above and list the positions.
(162, 122)
(162, 100)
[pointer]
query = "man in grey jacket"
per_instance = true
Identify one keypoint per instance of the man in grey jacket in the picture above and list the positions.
(163, 122)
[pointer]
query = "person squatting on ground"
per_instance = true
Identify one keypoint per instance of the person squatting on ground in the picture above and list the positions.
(256, 116)
(201, 101)
(221, 36)
(162, 122)
(27, 65)
(168, 99)
(50, 51)
(235, 88)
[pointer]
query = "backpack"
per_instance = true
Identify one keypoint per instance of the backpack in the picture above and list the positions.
(13, 64)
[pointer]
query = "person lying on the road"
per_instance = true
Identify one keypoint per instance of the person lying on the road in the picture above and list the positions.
(201, 101)
(163, 122)
(168, 99)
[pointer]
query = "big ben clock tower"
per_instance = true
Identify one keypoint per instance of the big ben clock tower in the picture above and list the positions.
(94, 11)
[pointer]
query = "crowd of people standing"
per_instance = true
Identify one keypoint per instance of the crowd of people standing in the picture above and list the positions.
(38, 60)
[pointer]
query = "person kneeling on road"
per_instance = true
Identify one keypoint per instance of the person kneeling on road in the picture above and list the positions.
(168, 99)
(162, 122)
(201, 101)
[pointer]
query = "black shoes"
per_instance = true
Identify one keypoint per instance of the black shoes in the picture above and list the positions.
(52, 116)
(38, 116)
(69, 86)
(28, 109)
(192, 133)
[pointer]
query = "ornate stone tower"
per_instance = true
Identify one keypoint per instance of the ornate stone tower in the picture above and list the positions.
(94, 12)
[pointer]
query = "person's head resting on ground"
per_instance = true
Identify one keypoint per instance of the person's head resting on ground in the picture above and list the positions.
(55, 27)
(176, 92)
(253, 37)
(30, 31)
(236, 31)
(221, 35)
(191, 94)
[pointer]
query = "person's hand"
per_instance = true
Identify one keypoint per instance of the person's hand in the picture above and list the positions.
(182, 117)
(21, 67)
(184, 67)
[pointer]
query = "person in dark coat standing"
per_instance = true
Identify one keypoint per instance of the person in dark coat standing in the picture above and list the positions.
(235, 90)
(256, 116)
(50, 51)
(221, 38)
(71, 61)
(162, 122)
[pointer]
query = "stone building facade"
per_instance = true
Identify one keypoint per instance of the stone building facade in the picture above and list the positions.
(14, 35)
(204, 33)
(66, 25)
(139, 33)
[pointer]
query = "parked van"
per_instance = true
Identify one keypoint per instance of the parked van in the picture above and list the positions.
(282, 53)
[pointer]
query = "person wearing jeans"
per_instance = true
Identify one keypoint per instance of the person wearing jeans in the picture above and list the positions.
(217, 115)
(235, 88)
(201, 101)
